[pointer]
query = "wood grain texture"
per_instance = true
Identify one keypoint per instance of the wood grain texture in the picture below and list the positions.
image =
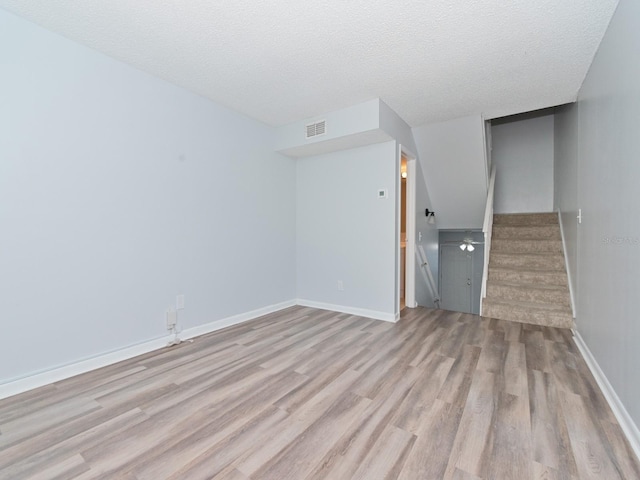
(312, 394)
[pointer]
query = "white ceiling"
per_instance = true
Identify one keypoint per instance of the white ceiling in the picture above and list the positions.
(286, 60)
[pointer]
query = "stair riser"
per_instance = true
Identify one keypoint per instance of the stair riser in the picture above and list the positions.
(551, 319)
(528, 262)
(535, 278)
(525, 219)
(544, 232)
(559, 296)
(500, 245)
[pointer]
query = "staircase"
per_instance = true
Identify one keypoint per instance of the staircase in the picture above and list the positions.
(527, 279)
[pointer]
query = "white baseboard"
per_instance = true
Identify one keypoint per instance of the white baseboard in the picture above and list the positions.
(361, 312)
(234, 320)
(20, 385)
(627, 424)
(24, 384)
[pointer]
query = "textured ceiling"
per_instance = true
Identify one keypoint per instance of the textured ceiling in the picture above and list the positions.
(286, 60)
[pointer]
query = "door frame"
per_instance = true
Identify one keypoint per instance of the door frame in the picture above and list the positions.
(410, 249)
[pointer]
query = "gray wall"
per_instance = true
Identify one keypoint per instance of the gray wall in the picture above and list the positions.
(523, 156)
(607, 143)
(565, 197)
(452, 155)
(429, 240)
(344, 232)
(119, 191)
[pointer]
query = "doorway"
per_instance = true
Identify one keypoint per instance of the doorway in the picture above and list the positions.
(461, 264)
(403, 228)
(406, 228)
(455, 279)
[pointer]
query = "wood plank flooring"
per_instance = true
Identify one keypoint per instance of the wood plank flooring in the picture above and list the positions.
(313, 394)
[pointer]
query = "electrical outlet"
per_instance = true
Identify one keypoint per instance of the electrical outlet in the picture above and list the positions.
(340, 286)
(180, 302)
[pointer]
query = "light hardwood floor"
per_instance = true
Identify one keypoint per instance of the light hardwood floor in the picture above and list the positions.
(312, 394)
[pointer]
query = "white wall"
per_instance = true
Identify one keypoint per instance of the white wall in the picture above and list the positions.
(608, 240)
(350, 127)
(344, 232)
(452, 155)
(363, 124)
(523, 157)
(119, 191)
(396, 127)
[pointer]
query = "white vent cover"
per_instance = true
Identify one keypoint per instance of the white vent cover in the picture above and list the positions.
(315, 129)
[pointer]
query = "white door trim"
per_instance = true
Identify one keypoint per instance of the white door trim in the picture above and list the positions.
(410, 252)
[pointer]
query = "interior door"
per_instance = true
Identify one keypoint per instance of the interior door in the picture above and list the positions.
(455, 279)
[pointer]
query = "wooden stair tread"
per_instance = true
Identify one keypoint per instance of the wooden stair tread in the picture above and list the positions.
(529, 286)
(531, 254)
(528, 305)
(545, 218)
(522, 269)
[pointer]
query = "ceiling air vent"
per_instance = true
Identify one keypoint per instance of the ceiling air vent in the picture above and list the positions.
(315, 129)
